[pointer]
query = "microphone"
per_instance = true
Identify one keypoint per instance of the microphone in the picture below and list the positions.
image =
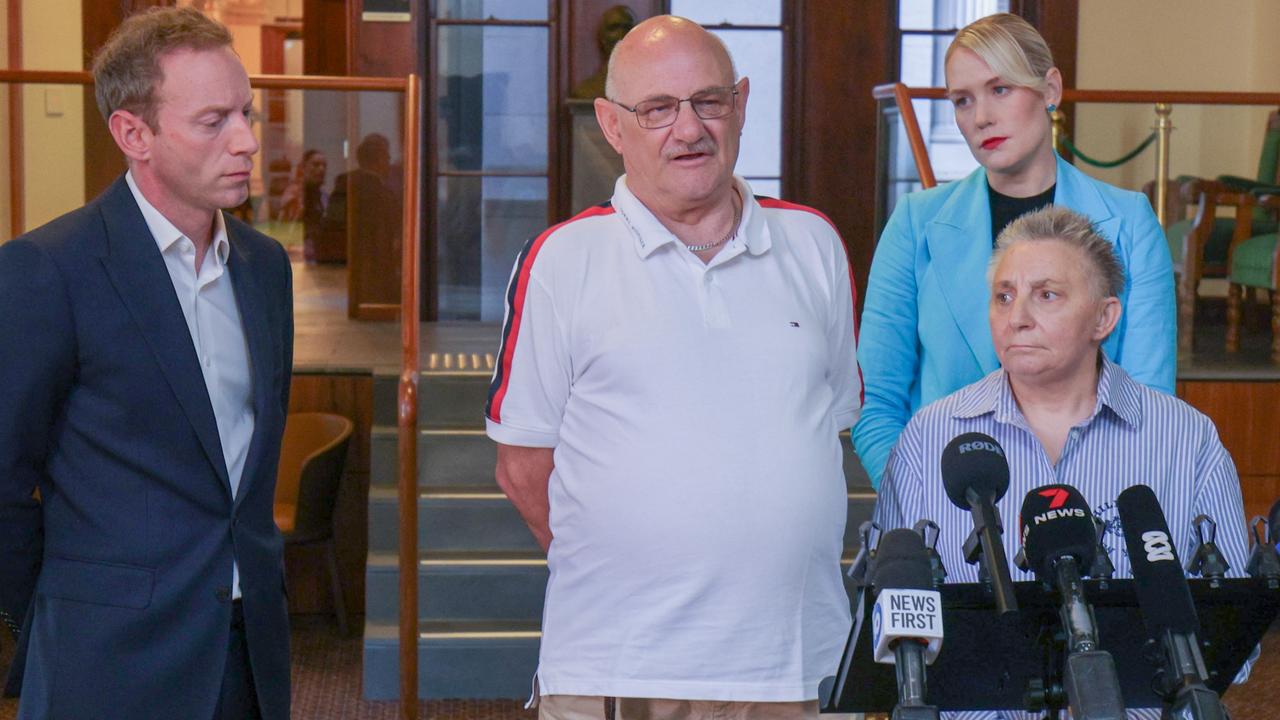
(907, 619)
(1264, 561)
(975, 475)
(1059, 538)
(1208, 562)
(1168, 611)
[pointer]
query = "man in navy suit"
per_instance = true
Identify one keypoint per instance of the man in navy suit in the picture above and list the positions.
(145, 356)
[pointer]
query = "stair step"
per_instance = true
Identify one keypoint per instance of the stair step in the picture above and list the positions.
(461, 586)
(476, 659)
(451, 519)
(445, 457)
(482, 519)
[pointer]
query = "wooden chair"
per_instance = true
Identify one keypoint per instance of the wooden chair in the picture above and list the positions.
(1199, 245)
(312, 455)
(1254, 264)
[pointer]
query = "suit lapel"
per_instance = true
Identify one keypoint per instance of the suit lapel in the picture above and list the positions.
(1080, 193)
(959, 242)
(262, 354)
(137, 270)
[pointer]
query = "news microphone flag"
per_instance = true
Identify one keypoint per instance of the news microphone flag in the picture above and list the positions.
(1056, 522)
(907, 608)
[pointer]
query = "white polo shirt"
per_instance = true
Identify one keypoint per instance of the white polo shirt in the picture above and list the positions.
(698, 501)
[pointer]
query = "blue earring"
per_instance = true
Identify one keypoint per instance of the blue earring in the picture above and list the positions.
(1051, 108)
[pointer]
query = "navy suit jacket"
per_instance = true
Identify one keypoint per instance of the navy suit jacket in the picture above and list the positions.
(122, 570)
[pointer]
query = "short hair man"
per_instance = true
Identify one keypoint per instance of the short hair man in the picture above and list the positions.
(144, 379)
(1062, 411)
(675, 368)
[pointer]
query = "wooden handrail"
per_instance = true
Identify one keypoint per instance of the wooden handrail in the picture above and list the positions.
(407, 404)
(266, 82)
(1147, 97)
(918, 150)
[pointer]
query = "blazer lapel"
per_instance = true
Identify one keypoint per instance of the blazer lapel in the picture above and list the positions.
(1080, 193)
(262, 353)
(959, 242)
(137, 270)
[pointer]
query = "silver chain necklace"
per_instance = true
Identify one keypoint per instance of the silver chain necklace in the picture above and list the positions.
(733, 230)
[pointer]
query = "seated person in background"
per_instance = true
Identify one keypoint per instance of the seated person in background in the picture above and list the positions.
(922, 335)
(1064, 412)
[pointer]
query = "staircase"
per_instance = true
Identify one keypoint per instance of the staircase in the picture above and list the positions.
(481, 576)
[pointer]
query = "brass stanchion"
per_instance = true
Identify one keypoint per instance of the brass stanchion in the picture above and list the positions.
(1163, 128)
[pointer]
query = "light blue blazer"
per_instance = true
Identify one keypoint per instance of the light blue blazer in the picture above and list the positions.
(924, 331)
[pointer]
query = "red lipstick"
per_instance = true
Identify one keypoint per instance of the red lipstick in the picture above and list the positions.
(993, 143)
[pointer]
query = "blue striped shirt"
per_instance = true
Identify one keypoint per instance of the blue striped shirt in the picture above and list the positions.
(1135, 435)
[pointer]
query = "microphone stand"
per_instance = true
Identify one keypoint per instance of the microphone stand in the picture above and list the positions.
(983, 544)
(1092, 684)
(909, 664)
(1183, 677)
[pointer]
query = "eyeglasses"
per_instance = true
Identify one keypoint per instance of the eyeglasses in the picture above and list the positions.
(661, 112)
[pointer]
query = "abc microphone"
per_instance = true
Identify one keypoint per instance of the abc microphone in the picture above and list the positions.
(907, 619)
(975, 475)
(1059, 538)
(1167, 608)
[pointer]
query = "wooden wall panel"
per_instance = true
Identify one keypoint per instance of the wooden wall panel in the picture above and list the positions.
(830, 163)
(326, 37)
(351, 396)
(1248, 418)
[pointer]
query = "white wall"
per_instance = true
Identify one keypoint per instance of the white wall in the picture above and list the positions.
(1177, 45)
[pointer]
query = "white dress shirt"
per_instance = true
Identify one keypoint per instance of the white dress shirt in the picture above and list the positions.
(209, 305)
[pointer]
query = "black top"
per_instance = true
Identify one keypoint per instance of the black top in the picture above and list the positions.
(1006, 209)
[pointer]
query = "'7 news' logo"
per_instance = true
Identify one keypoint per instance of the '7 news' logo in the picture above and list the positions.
(1157, 546)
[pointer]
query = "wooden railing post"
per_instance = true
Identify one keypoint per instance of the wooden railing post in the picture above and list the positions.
(407, 422)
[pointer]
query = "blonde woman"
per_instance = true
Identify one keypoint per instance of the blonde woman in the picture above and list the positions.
(924, 330)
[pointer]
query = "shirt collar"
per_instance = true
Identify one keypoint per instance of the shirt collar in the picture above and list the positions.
(166, 233)
(1116, 391)
(650, 234)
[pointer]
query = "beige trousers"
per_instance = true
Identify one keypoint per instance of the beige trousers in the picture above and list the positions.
(585, 707)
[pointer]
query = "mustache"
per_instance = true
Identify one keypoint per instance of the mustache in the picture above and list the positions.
(704, 145)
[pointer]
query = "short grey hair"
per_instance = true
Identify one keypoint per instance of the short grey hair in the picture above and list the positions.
(1061, 224)
(610, 87)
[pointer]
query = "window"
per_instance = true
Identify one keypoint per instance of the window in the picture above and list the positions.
(753, 33)
(925, 30)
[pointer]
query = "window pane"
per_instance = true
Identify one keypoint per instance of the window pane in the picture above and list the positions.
(758, 56)
(493, 9)
(729, 12)
(483, 223)
(945, 14)
(766, 187)
(493, 98)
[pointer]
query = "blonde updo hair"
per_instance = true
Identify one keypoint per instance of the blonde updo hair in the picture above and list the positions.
(1010, 46)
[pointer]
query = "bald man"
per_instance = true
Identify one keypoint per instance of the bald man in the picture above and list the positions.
(674, 369)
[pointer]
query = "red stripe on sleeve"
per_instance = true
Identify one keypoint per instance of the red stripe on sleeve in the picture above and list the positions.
(517, 306)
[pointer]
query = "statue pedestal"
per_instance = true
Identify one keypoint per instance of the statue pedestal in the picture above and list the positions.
(595, 166)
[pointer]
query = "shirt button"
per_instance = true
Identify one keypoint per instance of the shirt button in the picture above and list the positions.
(208, 362)
(223, 594)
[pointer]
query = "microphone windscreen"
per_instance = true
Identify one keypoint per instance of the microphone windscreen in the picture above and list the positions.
(1163, 594)
(902, 562)
(1273, 519)
(1056, 522)
(974, 461)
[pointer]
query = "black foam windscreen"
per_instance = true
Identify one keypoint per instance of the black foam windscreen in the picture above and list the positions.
(974, 461)
(902, 562)
(1273, 519)
(1163, 594)
(1056, 522)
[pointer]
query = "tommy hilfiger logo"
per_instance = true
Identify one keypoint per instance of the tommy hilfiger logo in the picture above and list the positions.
(794, 324)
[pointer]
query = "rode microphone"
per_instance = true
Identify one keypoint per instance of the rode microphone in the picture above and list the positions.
(975, 475)
(1059, 538)
(907, 619)
(1168, 611)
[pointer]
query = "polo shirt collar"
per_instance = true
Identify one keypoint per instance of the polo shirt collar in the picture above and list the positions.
(650, 234)
(1117, 392)
(166, 233)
